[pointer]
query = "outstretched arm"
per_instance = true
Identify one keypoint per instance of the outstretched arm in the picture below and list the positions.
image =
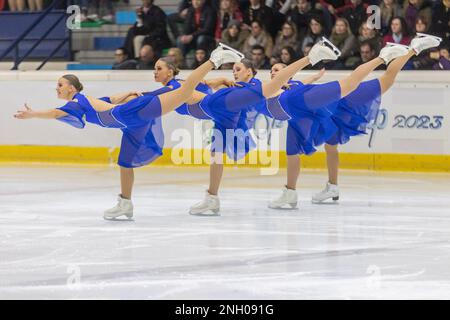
(314, 77)
(218, 83)
(29, 113)
(124, 97)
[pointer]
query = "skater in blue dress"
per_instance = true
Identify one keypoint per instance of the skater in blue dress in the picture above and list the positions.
(300, 103)
(227, 109)
(138, 118)
(340, 121)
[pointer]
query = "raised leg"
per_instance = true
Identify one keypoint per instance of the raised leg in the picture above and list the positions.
(351, 82)
(388, 78)
(274, 85)
(171, 100)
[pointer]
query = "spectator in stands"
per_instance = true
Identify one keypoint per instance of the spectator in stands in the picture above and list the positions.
(123, 61)
(178, 18)
(147, 58)
(199, 28)
(177, 57)
(259, 58)
(286, 37)
(229, 11)
(280, 10)
(398, 32)
(258, 36)
(150, 28)
(35, 5)
(441, 20)
(16, 5)
(342, 37)
(301, 15)
(422, 25)
(355, 13)
(315, 32)
(369, 34)
(200, 58)
(234, 36)
(389, 9)
(367, 52)
(413, 8)
(443, 58)
(288, 55)
(258, 11)
(424, 60)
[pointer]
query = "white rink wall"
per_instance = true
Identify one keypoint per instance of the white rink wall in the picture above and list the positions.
(414, 117)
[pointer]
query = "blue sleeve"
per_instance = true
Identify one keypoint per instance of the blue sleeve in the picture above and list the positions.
(106, 99)
(202, 87)
(158, 91)
(74, 116)
(183, 109)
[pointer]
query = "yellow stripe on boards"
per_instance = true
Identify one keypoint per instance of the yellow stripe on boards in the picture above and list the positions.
(102, 155)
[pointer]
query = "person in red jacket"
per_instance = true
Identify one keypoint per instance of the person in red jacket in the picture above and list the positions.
(398, 33)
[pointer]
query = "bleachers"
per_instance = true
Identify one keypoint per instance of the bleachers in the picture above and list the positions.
(93, 47)
(12, 25)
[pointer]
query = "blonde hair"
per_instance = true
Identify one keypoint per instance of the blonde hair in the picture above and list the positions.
(171, 65)
(179, 59)
(74, 81)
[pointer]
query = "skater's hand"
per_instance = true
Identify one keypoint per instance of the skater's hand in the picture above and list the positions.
(320, 74)
(136, 93)
(28, 113)
(229, 83)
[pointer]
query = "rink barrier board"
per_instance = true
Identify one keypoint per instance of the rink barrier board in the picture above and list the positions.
(102, 155)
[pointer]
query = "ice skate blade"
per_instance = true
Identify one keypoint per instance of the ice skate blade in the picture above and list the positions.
(419, 34)
(331, 46)
(393, 44)
(287, 207)
(329, 201)
(240, 54)
(209, 213)
(119, 219)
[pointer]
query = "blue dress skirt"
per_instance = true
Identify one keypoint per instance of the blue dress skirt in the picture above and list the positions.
(139, 120)
(229, 109)
(355, 112)
(305, 109)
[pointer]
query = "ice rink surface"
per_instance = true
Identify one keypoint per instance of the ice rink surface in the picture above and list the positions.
(388, 238)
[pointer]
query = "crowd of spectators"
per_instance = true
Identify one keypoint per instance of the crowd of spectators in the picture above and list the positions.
(282, 31)
(271, 31)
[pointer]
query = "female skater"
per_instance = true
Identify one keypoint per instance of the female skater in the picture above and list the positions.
(138, 119)
(349, 117)
(227, 107)
(300, 104)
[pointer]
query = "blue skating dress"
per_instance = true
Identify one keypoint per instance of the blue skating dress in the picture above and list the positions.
(228, 109)
(305, 109)
(139, 120)
(355, 111)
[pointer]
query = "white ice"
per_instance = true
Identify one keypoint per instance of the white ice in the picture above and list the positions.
(388, 238)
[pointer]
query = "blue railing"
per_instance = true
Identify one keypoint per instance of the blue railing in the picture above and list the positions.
(35, 35)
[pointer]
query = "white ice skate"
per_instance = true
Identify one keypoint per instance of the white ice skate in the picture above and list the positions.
(225, 54)
(287, 200)
(424, 41)
(210, 206)
(124, 207)
(392, 51)
(323, 50)
(331, 191)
